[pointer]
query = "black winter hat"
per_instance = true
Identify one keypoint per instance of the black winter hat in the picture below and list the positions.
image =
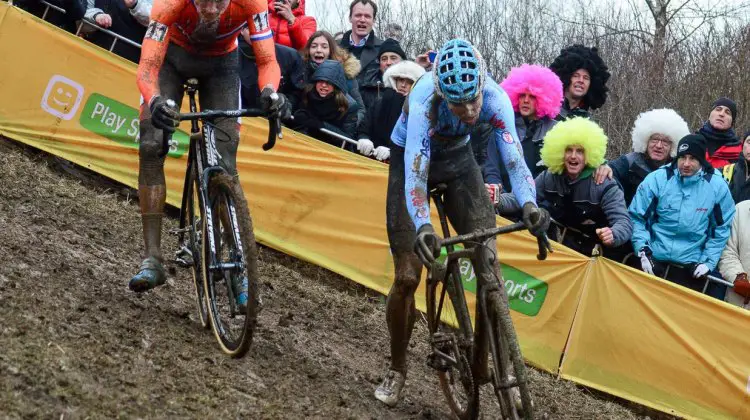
(391, 45)
(694, 145)
(732, 105)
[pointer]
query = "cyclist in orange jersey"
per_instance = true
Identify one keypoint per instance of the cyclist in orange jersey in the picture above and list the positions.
(195, 39)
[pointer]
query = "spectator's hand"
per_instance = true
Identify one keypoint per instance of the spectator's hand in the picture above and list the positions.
(307, 120)
(130, 3)
(494, 191)
(427, 245)
(424, 60)
(284, 10)
(163, 116)
(647, 264)
(742, 285)
(275, 104)
(104, 20)
(536, 220)
(382, 153)
(602, 172)
(699, 270)
(605, 235)
(365, 147)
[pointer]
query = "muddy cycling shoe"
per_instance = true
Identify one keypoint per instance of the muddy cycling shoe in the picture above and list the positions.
(151, 275)
(239, 287)
(389, 392)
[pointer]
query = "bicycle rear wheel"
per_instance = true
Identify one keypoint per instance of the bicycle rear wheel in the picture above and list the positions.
(509, 371)
(195, 226)
(452, 346)
(231, 229)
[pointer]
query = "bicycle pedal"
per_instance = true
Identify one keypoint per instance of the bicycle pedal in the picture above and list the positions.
(183, 257)
(179, 231)
(438, 363)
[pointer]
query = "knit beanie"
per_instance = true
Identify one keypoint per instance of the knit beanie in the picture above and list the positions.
(391, 45)
(694, 145)
(723, 101)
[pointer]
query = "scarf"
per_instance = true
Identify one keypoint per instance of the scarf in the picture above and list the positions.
(717, 138)
(323, 108)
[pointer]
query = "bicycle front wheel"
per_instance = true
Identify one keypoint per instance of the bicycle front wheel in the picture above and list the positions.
(234, 260)
(451, 340)
(195, 225)
(508, 368)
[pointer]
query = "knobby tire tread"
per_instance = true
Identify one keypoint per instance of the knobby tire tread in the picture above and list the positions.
(225, 184)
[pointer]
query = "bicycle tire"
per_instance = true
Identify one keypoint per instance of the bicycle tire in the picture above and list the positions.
(468, 409)
(505, 349)
(222, 189)
(194, 232)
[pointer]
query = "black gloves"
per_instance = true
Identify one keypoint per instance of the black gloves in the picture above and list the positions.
(163, 116)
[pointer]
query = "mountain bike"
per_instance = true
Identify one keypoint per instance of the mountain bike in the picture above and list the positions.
(220, 246)
(460, 352)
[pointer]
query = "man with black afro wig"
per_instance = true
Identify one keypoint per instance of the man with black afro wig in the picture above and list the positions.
(584, 76)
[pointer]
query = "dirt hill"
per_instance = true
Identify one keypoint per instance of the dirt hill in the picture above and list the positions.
(76, 343)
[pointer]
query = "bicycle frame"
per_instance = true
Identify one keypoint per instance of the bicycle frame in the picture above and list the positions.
(204, 159)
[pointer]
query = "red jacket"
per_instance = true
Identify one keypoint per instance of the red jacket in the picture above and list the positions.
(725, 155)
(293, 36)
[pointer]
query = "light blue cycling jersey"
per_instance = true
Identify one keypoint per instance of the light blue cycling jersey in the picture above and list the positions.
(413, 132)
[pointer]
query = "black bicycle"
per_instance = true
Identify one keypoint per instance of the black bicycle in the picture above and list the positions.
(220, 246)
(459, 351)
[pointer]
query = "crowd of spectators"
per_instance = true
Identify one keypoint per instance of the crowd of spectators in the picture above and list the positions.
(676, 206)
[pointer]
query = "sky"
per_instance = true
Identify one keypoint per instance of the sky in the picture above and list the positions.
(333, 22)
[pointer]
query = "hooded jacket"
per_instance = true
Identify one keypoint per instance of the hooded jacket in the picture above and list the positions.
(296, 35)
(324, 109)
(683, 220)
(383, 116)
(351, 71)
(735, 258)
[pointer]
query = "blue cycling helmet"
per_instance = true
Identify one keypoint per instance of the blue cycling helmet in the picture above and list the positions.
(459, 71)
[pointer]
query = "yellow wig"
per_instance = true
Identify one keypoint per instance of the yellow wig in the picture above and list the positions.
(578, 130)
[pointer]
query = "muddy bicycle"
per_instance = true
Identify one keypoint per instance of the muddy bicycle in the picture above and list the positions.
(216, 231)
(459, 351)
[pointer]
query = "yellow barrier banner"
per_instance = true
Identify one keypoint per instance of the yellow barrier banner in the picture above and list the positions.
(308, 199)
(667, 347)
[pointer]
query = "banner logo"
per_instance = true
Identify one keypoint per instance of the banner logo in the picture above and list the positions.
(526, 293)
(62, 97)
(121, 123)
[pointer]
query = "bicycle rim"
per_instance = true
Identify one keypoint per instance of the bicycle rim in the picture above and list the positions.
(507, 362)
(195, 229)
(456, 380)
(235, 245)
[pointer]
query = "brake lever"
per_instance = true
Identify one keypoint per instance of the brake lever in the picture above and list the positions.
(274, 129)
(166, 136)
(544, 246)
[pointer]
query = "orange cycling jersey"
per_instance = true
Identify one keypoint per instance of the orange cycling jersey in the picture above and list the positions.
(206, 27)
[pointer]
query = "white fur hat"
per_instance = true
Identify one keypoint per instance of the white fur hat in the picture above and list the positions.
(662, 121)
(405, 69)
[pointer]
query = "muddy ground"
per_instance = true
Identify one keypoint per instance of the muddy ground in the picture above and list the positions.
(76, 343)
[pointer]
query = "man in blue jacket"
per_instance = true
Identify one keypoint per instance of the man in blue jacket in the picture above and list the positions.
(682, 214)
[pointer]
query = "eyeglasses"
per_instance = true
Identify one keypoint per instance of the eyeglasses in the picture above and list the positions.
(665, 142)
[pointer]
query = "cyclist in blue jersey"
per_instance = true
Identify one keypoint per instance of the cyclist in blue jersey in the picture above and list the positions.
(430, 146)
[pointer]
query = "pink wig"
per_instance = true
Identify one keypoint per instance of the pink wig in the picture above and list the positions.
(539, 81)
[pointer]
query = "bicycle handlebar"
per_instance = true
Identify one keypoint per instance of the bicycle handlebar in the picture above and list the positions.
(274, 125)
(484, 234)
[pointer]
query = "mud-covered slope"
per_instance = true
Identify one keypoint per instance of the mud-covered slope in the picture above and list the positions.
(75, 342)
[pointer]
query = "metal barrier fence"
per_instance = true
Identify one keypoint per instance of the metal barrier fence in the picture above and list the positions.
(116, 37)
